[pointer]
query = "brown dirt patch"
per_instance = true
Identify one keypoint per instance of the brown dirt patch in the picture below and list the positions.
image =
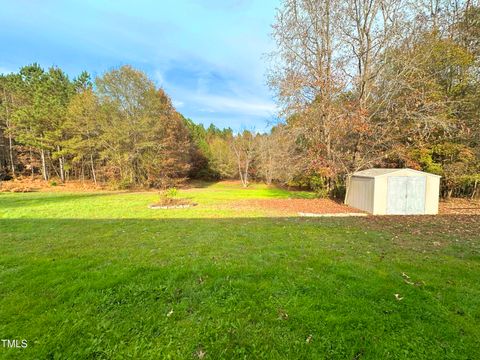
(294, 206)
(460, 206)
(54, 185)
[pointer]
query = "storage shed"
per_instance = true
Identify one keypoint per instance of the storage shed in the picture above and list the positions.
(394, 192)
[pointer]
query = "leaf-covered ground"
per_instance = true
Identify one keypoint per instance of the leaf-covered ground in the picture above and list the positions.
(101, 276)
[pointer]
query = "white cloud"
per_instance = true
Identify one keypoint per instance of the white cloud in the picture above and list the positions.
(178, 104)
(159, 78)
(215, 103)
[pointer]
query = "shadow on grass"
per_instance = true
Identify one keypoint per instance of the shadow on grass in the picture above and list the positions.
(235, 288)
(405, 235)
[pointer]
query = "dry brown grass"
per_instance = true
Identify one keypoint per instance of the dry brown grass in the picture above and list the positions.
(459, 206)
(27, 184)
(294, 206)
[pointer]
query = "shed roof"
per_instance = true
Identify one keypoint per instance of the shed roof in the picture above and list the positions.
(375, 172)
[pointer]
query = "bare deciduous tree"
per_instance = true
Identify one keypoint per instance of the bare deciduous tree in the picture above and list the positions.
(243, 146)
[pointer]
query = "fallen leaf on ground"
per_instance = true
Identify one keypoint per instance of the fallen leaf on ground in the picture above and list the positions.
(201, 354)
(282, 314)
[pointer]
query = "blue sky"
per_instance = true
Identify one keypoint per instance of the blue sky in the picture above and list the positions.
(207, 54)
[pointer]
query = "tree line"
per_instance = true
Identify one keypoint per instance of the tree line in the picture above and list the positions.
(119, 129)
(388, 83)
(123, 131)
(360, 83)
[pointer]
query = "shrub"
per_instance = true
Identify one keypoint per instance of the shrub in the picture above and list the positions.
(171, 193)
(462, 186)
(169, 197)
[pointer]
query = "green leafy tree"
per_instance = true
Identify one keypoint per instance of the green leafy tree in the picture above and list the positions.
(145, 139)
(83, 126)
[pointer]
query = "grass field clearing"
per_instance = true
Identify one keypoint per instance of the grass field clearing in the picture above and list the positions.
(99, 275)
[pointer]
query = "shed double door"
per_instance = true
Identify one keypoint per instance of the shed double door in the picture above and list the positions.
(406, 195)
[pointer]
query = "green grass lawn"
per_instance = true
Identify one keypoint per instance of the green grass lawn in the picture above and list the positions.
(101, 276)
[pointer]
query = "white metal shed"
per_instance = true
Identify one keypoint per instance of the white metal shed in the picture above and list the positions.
(394, 192)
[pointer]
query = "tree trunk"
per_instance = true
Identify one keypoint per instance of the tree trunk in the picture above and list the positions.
(31, 163)
(93, 169)
(10, 140)
(52, 164)
(474, 189)
(10, 151)
(269, 174)
(245, 176)
(241, 173)
(83, 172)
(239, 163)
(44, 165)
(60, 162)
(347, 187)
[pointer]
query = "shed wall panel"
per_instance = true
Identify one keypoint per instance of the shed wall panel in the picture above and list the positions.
(432, 195)
(360, 193)
(380, 196)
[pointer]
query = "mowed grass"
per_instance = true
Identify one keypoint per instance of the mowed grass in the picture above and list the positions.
(101, 276)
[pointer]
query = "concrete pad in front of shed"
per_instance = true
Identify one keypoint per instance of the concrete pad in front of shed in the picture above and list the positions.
(331, 215)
